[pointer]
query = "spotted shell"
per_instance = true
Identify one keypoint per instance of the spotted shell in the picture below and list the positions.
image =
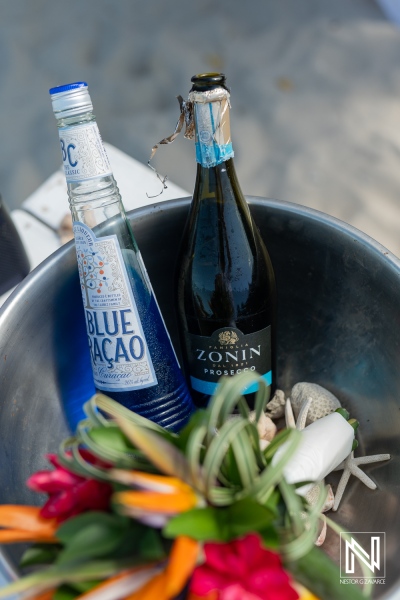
(323, 402)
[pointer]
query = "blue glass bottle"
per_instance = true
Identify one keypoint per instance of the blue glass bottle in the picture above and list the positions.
(132, 357)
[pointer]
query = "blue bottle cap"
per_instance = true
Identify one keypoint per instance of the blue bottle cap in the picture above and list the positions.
(67, 87)
(71, 99)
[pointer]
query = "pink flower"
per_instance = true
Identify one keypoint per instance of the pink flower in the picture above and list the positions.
(70, 494)
(242, 570)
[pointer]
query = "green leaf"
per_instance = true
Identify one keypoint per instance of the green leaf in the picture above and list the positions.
(111, 438)
(201, 524)
(277, 441)
(164, 455)
(150, 546)
(67, 531)
(220, 496)
(110, 444)
(65, 592)
(59, 574)
(85, 586)
(74, 590)
(194, 452)
(39, 554)
(140, 541)
(273, 473)
(294, 506)
(197, 421)
(90, 535)
(295, 548)
(246, 516)
(322, 577)
(216, 524)
(245, 458)
(229, 474)
(218, 448)
(93, 414)
(262, 397)
(226, 397)
(272, 502)
(121, 413)
(270, 537)
(70, 458)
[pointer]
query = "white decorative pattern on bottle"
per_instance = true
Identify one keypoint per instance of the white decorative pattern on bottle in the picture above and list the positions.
(83, 153)
(118, 349)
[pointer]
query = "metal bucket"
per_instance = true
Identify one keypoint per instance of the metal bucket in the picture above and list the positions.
(339, 324)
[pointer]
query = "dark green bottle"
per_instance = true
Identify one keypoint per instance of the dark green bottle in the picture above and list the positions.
(226, 294)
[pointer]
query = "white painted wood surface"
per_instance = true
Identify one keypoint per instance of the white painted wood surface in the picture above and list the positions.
(40, 216)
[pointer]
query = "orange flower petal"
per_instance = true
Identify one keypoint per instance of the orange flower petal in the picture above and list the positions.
(153, 590)
(9, 536)
(155, 483)
(181, 563)
(26, 518)
(161, 503)
(45, 595)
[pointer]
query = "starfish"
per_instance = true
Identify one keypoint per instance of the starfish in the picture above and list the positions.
(350, 467)
(302, 417)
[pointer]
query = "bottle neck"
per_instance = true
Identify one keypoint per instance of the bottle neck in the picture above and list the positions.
(92, 189)
(212, 129)
(75, 120)
(219, 183)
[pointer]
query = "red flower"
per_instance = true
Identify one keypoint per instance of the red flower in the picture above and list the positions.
(242, 570)
(70, 494)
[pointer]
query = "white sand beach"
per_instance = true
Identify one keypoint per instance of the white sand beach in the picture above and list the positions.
(315, 94)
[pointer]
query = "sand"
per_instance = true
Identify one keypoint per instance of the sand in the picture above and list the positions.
(315, 94)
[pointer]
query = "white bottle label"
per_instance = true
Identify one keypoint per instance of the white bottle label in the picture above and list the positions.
(83, 153)
(119, 353)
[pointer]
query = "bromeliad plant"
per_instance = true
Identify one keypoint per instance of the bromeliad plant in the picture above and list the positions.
(135, 511)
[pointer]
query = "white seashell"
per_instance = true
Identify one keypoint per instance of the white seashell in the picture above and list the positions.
(322, 533)
(323, 402)
(266, 427)
(313, 494)
(276, 406)
(264, 444)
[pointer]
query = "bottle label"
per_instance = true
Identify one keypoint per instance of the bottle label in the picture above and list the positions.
(227, 352)
(83, 153)
(119, 353)
(213, 143)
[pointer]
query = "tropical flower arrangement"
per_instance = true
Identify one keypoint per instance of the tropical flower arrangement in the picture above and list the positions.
(137, 512)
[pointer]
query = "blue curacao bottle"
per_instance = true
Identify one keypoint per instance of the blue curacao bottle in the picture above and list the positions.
(132, 357)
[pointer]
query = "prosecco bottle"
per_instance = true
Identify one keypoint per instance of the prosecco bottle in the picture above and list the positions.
(132, 357)
(226, 295)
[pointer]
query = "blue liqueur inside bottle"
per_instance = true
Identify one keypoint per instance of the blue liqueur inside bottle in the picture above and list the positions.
(131, 353)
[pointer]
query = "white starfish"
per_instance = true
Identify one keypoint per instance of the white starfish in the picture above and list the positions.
(301, 419)
(350, 467)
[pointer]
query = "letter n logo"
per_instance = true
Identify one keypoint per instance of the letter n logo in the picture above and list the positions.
(365, 547)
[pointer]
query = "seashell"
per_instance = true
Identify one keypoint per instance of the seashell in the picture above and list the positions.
(322, 532)
(313, 495)
(266, 427)
(323, 402)
(276, 406)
